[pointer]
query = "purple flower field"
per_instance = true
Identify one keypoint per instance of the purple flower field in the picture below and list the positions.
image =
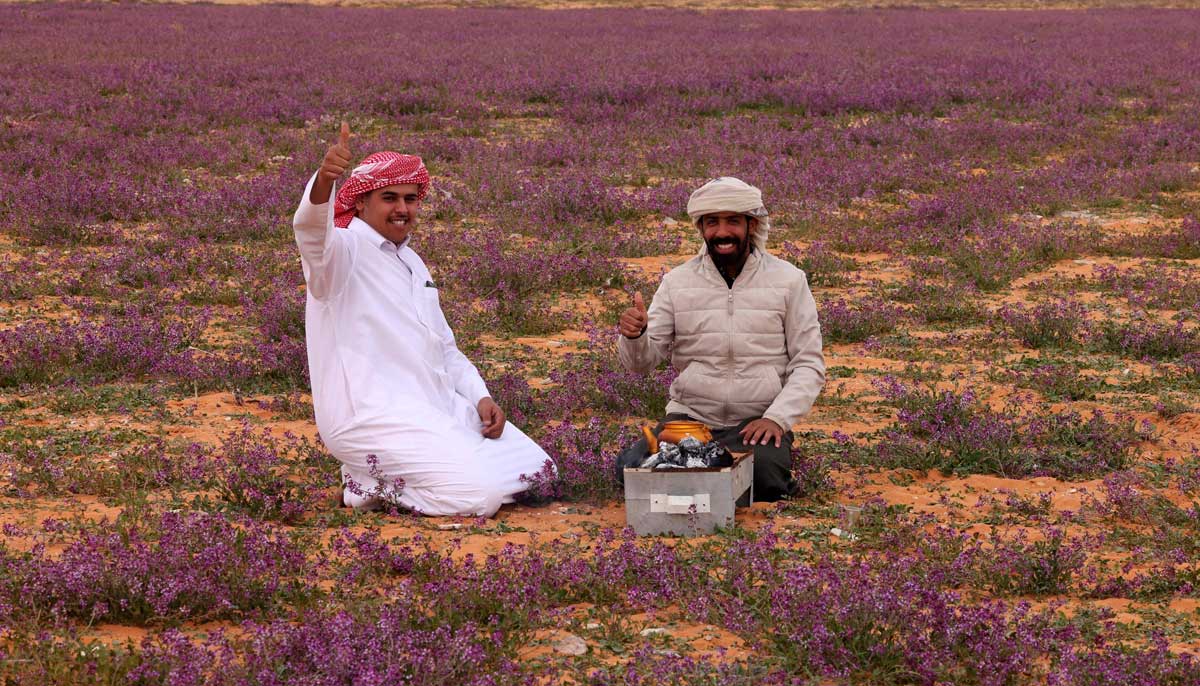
(999, 213)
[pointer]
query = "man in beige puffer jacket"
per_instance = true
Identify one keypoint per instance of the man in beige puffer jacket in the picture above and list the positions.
(740, 326)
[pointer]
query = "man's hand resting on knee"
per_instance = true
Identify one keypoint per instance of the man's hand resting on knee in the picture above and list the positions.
(761, 432)
(492, 417)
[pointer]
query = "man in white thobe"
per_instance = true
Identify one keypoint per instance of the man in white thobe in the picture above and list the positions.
(396, 402)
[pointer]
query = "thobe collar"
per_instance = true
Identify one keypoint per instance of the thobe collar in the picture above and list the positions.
(361, 227)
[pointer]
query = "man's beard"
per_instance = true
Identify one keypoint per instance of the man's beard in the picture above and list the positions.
(729, 259)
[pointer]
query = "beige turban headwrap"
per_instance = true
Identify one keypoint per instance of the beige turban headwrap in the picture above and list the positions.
(727, 194)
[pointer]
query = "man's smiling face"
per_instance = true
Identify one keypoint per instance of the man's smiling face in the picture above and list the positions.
(727, 235)
(392, 210)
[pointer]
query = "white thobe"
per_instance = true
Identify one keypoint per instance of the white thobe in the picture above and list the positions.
(389, 381)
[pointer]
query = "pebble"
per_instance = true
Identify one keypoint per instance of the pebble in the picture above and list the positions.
(670, 222)
(449, 527)
(653, 631)
(570, 644)
(593, 625)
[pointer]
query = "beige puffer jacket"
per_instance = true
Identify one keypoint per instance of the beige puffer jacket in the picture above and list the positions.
(748, 351)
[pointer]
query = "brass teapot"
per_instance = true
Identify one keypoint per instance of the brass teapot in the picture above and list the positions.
(676, 431)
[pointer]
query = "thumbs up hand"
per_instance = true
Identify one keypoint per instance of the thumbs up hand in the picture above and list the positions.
(337, 157)
(634, 319)
(337, 160)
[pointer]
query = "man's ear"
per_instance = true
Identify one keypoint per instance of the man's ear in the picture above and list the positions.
(752, 222)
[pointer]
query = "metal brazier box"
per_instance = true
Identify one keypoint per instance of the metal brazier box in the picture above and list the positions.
(687, 502)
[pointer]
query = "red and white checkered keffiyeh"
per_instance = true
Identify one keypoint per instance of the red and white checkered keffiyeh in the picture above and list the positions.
(377, 171)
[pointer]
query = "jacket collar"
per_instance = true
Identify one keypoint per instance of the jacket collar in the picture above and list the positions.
(709, 269)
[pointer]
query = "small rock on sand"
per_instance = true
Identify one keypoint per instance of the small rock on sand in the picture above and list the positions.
(570, 644)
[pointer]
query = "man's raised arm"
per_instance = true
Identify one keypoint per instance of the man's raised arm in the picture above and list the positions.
(646, 335)
(313, 223)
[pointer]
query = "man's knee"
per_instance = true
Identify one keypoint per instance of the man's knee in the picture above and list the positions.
(473, 496)
(631, 456)
(778, 457)
(773, 470)
(487, 502)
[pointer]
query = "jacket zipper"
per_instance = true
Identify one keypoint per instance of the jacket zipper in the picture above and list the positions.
(729, 362)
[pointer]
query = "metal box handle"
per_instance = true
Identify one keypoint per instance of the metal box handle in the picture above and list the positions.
(680, 504)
